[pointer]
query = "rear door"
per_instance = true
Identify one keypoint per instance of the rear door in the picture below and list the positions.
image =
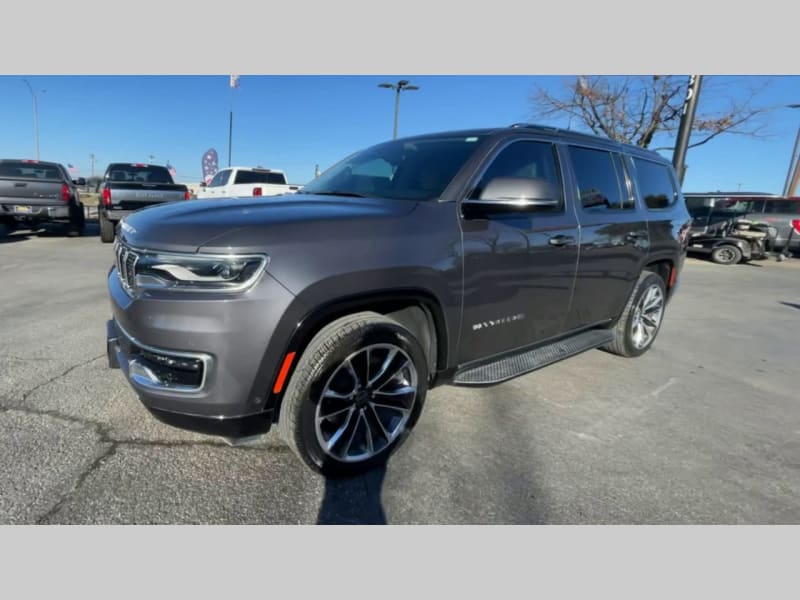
(519, 267)
(614, 236)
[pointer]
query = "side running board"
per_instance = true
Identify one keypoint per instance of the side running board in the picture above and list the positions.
(530, 360)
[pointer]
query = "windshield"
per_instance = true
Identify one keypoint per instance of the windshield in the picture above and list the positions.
(417, 169)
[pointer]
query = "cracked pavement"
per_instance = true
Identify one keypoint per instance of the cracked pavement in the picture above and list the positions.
(705, 428)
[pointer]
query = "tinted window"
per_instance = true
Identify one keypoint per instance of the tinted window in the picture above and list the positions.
(599, 187)
(528, 160)
(139, 174)
(23, 170)
(260, 177)
(220, 178)
(415, 169)
(655, 184)
(782, 206)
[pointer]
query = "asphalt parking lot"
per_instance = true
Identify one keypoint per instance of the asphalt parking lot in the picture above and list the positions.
(705, 428)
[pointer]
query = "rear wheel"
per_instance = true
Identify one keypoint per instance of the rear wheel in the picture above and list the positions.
(355, 395)
(640, 322)
(726, 255)
(77, 221)
(106, 228)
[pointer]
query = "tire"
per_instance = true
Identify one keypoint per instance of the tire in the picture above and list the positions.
(726, 255)
(106, 229)
(77, 221)
(626, 331)
(331, 444)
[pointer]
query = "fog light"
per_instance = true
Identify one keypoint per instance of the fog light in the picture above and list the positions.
(142, 374)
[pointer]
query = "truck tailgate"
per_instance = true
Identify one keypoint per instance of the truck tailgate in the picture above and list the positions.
(133, 196)
(30, 192)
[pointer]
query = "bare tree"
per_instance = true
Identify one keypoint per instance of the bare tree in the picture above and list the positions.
(638, 110)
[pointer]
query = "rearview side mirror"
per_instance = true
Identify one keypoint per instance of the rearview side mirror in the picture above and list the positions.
(512, 194)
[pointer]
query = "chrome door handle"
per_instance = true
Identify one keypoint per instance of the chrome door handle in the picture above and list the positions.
(561, 240)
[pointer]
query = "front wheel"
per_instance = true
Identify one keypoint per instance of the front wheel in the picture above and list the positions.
(106, 228)
(640, 322)
(355, 395)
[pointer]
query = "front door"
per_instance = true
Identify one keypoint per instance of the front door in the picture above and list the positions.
(519, 268)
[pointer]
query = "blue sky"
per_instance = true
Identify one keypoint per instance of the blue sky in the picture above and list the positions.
(295, 122)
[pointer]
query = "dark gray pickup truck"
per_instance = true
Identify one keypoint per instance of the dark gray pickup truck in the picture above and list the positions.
(462, 258)
(128, 187)
(33, 192)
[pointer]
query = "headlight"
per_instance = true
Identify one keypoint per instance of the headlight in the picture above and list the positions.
(142, 270)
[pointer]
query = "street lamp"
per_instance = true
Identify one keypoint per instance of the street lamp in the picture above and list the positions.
(35, 114)
(789, 185)
(398, 87)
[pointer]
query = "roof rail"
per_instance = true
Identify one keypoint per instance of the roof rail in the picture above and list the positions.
(536, 126)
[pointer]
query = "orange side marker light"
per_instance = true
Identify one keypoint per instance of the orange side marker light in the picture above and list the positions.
(287, 364)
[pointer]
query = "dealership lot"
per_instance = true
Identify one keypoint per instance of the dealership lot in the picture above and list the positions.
(704, 428)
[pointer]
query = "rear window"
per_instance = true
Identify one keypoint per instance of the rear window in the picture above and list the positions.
(655, 184)
(139, 174)
(23, 170)
(782, 206)
(259, 177)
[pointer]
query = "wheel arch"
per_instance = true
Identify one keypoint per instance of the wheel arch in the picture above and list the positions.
(415, 309)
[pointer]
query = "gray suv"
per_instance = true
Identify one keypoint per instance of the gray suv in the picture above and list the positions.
(463, 258)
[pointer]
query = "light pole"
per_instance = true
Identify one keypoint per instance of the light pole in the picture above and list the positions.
(685, 127)
(401, 85)
(35, 114)
(92, 158)
(789, 185)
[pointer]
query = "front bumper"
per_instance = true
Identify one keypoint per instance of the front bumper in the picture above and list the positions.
(194, 361)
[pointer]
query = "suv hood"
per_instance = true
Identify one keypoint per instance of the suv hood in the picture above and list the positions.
(248, 224)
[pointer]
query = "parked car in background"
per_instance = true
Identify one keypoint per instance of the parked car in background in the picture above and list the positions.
(716, 209)
(128, 187)
(239, 182)
(465, 257)
(34, 192)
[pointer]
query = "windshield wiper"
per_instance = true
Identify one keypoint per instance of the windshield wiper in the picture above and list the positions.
(348, 194)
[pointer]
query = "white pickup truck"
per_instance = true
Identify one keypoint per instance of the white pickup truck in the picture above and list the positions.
(235, 182)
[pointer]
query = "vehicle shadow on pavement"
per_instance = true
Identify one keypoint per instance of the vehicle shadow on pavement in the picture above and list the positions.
(354, 500)
(6, 236)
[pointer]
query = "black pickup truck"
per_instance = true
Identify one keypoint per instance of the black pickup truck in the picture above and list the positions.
(128, 187)
(33, 193)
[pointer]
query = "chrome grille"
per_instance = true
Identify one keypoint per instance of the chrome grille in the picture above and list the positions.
(126, 260)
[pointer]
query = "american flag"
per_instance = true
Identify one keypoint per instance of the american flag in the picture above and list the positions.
(72, 169)
(171, 170)
(234, 81)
